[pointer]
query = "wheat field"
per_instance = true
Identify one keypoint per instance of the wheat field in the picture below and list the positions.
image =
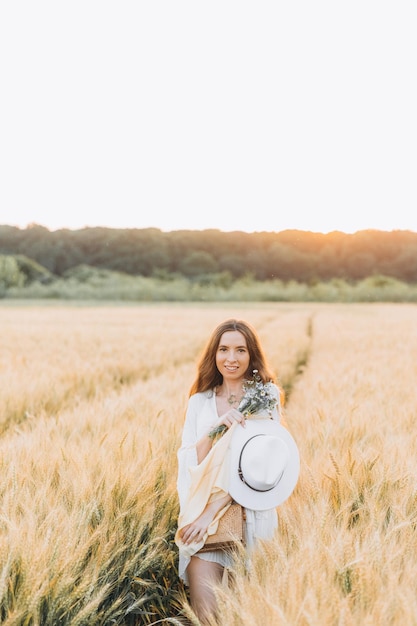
(92, 400)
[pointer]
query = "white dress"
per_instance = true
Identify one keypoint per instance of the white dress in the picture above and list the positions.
(200, 416)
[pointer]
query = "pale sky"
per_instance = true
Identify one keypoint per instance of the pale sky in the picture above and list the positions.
(236, 115)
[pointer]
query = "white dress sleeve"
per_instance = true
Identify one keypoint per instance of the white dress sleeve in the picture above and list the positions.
(199, 418)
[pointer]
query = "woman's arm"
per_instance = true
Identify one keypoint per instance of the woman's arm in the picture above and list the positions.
(192, 451)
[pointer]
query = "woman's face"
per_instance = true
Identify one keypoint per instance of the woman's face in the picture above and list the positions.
(232, 356)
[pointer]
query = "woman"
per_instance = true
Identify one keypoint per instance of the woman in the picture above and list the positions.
(232, 354)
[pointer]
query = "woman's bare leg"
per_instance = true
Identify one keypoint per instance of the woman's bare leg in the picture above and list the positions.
(202, 576)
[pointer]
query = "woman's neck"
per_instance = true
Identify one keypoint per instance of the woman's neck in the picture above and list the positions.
(232, 392)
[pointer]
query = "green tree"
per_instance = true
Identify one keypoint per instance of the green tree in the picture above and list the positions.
(10, 274)
(198, 264)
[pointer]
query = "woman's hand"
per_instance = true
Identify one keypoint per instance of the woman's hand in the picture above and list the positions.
(203, 446)
(229, 418)
(195, 532)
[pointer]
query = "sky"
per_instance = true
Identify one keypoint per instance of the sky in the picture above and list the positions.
(235, 115)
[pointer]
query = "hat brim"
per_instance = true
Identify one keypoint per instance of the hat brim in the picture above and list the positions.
(240, 491)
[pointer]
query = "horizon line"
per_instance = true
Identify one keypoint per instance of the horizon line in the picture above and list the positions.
(217, 229)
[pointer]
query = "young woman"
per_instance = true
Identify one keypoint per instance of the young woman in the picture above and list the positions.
(229, 359)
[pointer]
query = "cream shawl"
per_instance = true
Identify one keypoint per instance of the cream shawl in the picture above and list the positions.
(209, 482)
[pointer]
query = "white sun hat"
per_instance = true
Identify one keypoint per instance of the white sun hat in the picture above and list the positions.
(264, 464)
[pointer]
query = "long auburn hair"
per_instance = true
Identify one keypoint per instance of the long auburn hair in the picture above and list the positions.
(208, 376)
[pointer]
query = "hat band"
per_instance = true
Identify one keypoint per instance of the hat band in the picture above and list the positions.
(242, 478)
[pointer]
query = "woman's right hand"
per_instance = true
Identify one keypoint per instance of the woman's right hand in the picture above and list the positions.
(229, 418)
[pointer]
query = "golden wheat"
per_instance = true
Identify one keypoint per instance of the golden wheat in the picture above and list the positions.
(92, 400)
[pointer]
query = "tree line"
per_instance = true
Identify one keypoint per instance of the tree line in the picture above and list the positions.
(287, 255)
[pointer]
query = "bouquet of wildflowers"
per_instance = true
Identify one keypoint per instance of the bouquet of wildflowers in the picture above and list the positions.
(258, 397)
